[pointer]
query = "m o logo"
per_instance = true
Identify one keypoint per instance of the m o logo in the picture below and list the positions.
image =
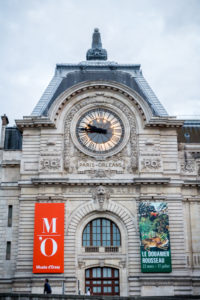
(48, 253)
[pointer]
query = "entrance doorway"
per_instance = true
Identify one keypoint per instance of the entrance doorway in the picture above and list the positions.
(102, 281)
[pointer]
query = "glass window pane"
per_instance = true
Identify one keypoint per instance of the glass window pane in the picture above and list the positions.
(101, 229)
(107, 282)
(105, 289)
(104, 272)
(98, 272)
(87, 273)
(98, 243)
(109, 272)
(116, 289)
(98, 289)
(109, 289)
(94, 272)
(8, 250)
(116, 273)
(104, 243)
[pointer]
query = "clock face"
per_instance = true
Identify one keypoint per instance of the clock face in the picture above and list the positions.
(100, 130)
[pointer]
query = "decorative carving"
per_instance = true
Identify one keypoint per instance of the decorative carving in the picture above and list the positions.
(198, 171)
(101, 196)
(100, 173)
(96, 52)
(133, 136)
(70, 151)
(188, 166)
(101, 262)
(150, 163)
(122, 264)
(50, 163)
(81, 264)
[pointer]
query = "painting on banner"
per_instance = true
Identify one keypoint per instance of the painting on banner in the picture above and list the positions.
(154, 237)
(48, 251)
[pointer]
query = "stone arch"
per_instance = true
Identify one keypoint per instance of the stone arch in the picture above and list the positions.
(127, 259)
(75, 93)
(87, 209)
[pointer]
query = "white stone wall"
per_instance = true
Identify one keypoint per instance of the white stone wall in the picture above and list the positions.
(44, 177)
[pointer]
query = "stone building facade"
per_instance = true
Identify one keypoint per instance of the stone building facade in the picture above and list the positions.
(100, 142)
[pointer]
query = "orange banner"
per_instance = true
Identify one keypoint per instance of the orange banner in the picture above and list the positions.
(48, 252)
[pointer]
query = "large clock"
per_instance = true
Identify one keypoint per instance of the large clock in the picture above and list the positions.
(100, 130)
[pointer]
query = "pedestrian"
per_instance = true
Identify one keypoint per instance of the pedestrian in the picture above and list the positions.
(47, 287)
(88, 292)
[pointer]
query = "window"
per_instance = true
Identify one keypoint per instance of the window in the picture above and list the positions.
(101, 232)
(10, 215)
(102, 281)
(8, 250)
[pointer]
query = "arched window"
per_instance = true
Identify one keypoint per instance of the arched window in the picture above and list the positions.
(101, 232)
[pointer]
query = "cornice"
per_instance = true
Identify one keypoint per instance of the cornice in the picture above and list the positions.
(34, 122)
(191, 183)
(151, 181)
(10, 163)
(98, 181)
(194, 148)
(164, 122)
(9, 185)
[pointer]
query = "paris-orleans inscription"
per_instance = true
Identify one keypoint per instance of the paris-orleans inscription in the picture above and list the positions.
(117, 166)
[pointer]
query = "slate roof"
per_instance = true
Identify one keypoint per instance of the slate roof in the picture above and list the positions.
(96, 67)
(68, 75)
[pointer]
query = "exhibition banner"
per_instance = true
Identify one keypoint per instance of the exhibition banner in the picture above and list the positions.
(154, 237)
(48, 251)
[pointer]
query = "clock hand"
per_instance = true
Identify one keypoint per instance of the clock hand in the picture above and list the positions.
(93, 129)
(96, 129)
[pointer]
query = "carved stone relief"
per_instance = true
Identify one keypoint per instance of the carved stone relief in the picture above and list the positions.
(133, 136)
(198, 170)
(151, 163)
(188, 166)
(49, 164)
(101, 196)
(80, 163)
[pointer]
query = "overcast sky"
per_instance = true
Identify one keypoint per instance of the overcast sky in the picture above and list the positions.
(163, 36)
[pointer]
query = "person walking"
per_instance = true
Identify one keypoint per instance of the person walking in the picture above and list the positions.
(88, 292)
(47, 287)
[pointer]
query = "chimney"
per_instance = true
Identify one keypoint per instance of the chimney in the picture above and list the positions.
(5, 122)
